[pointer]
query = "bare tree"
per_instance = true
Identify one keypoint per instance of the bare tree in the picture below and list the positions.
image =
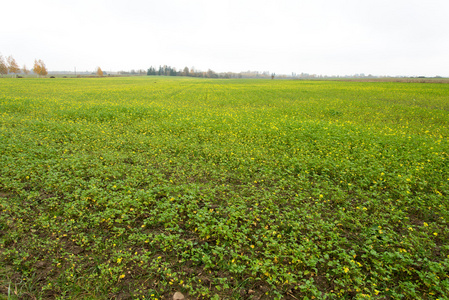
(25, 70)
(3, 66)
(13, 67)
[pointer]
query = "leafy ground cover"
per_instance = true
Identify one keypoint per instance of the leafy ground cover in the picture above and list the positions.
(135, 188)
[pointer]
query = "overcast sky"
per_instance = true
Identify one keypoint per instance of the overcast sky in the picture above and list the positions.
(328, 37)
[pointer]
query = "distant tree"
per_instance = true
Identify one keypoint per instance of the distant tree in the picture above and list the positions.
(13, 67)
(99, 72)
(151, 71)
(37, 67)
(40, 68)
(185, 72)
(211, 74)
(44, 71)
(25, 70)
(3, 66)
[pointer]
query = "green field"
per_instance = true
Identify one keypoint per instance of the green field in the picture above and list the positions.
(135, 188)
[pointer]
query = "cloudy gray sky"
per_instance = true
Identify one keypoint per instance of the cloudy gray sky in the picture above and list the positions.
(333, 37)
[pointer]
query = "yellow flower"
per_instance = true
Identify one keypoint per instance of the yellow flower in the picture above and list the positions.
(435, 234)
(122, 276)
(346, 269)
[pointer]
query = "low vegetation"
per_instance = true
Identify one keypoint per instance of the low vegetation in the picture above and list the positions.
(135, 188)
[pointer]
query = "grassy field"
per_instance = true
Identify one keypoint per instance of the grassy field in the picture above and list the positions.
(135, 188)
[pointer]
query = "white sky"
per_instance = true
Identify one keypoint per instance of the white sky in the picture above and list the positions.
(329, 37)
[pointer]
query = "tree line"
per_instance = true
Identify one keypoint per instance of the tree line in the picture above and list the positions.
(10, 66)
(169, 71)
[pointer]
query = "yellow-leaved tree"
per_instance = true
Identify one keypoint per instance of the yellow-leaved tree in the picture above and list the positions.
(99, 72)
(37, 68)
(40, 68)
